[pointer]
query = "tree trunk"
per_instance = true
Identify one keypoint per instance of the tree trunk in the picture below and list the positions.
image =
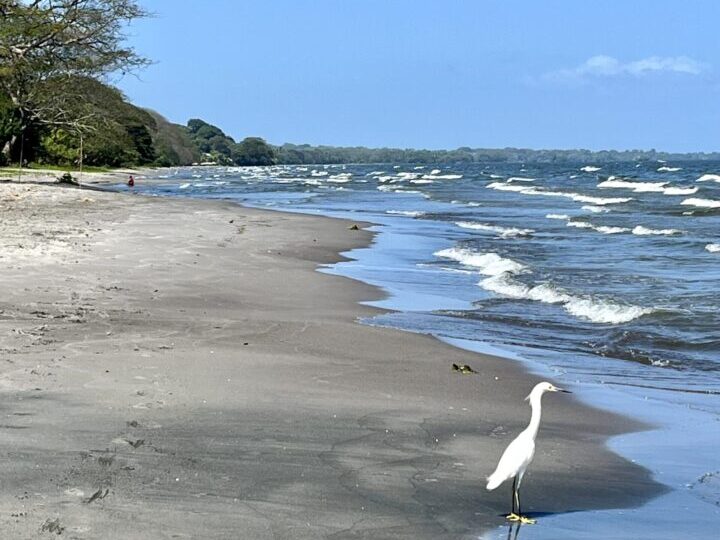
(7, 148)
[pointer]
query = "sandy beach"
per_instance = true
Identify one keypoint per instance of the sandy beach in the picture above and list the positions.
(179, 369)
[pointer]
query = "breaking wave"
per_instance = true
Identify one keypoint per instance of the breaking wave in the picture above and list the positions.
(409, 213)
(532, 190)
(595, 310)
(594, 209)
(442, 176)
(637, 187)
(701, 203)
(501, 280)
(647, 187)
(680, 190)
(599, 228)
(502, 186)
(504, 232)
(644, 231)
(489, 264)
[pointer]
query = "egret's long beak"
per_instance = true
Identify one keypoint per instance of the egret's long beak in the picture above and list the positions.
(562, 390)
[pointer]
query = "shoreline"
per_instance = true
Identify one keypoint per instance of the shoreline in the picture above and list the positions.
(312, 429)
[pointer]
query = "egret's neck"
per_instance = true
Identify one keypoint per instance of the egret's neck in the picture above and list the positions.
(535, 403)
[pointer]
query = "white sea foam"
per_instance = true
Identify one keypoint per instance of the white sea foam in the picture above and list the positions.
(680, 190)
(433, 176)
(604, 312)
(466, 203)
(504, 232)
(644, 231)
(599, 228)
(702, 203)
(531, 190)
(709, 178)
(318, 173)
(435, 171)
(419, 168)
(599, 201)
(593, 309)
(502, 186)
(659, 363)
(645, 187)
(375, 173)
(489, 264)
(713, 248)
(501, 280)
(340, 178)
(590, 168)
(422, 181)
(495, 176)
(410, 213)
(557, 216)
(669, 169)
(594, 209)
(185, 185)
(638, 187)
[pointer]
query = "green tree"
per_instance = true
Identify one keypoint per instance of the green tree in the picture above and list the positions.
(45, 44)
(253, 151)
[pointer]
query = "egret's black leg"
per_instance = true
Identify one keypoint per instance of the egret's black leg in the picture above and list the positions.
(513, 496)
(521, 518)
(517, 501)
(513, 516)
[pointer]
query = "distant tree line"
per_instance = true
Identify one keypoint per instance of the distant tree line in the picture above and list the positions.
(298, 154)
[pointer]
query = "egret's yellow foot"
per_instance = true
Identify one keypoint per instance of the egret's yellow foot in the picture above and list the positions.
(513, 517)
(527, 520)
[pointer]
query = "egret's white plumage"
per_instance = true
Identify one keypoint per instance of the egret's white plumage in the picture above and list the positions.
(520, 452)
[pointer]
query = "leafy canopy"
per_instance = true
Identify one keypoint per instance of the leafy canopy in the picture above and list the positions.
(44, 44)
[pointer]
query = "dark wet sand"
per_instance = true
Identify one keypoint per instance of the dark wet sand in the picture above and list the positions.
(184, 362)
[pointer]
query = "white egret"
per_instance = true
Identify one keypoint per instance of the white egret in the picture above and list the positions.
(519, 453)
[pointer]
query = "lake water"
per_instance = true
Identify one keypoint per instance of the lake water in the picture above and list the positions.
(605, 277)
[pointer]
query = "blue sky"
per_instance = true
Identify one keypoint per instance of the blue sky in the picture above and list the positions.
(438, 74)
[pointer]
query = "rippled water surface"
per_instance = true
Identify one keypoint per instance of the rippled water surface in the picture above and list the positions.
(604, 274)
(623, 261)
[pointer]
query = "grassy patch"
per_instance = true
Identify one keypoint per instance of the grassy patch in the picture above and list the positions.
(13, 169)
